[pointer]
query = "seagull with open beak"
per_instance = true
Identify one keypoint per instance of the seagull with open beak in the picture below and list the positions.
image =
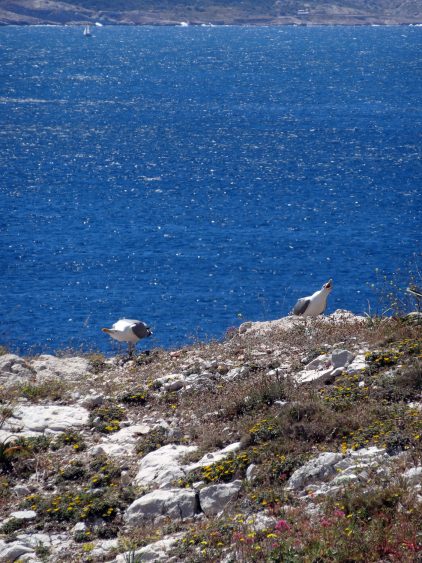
(314, 304)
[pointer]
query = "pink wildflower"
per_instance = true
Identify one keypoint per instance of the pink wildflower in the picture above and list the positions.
(339, 513)
(282, 526)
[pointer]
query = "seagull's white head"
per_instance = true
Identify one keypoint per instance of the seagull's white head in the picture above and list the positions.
(328, 286)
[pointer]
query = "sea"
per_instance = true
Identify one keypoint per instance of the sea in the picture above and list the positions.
(200, 177)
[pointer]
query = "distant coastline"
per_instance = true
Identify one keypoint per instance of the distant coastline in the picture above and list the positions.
(370, 22)
(231, 12)
(194, 24)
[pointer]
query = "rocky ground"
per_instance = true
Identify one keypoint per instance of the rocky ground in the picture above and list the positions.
(287, 441)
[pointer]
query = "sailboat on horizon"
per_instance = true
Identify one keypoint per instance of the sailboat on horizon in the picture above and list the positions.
(87, 31)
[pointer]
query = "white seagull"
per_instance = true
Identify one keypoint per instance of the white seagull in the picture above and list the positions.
(128, 330)
(314, 304)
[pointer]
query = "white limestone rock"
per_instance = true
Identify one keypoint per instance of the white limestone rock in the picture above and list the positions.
(340, 316)
(358, 364)
(154, 552)
(213, 457)
(79, 527)
(172, 503)
(10, 552)
(23, 515)
(14, 370)
(198, 382)
(233, 374)
(317, 469)
(306, 376)
(326, 367)
(50, 367)
(174, 385)
(170, 382)
(121, 443)
(214, 498)
(161, 467)
(343, 316)
(261, 328)
(320, 362)
(32, 420)
(414, 475)
(103, 547)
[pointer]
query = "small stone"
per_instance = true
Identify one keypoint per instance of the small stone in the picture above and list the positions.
(341, 358)
(174, 385)
(21, 490)
(79, 527)
(251, 472)
(97, 451)
(92, 401)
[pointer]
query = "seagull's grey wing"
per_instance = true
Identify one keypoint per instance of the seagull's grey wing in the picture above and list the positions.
(141, 330)
(301, 306)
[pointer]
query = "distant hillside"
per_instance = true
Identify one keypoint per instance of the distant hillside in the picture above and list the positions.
(196, 12)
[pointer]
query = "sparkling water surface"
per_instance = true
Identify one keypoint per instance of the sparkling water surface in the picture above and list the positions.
(197, 177)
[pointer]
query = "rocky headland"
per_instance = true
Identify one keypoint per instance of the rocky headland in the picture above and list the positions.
(288, 440)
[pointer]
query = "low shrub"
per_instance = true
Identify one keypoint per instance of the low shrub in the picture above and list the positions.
(107, 417)
(135, 396)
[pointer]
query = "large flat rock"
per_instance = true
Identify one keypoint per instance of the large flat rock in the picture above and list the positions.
(33, 420)
(50, 367)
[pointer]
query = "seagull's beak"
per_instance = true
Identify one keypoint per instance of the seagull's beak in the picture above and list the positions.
(329, 284)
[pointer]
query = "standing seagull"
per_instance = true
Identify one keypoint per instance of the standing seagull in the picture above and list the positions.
(128, 330)
(315, 304)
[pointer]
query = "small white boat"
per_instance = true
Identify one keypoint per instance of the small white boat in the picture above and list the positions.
(87, 31)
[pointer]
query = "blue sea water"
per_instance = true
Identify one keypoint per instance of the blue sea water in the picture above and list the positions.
(198, 177)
